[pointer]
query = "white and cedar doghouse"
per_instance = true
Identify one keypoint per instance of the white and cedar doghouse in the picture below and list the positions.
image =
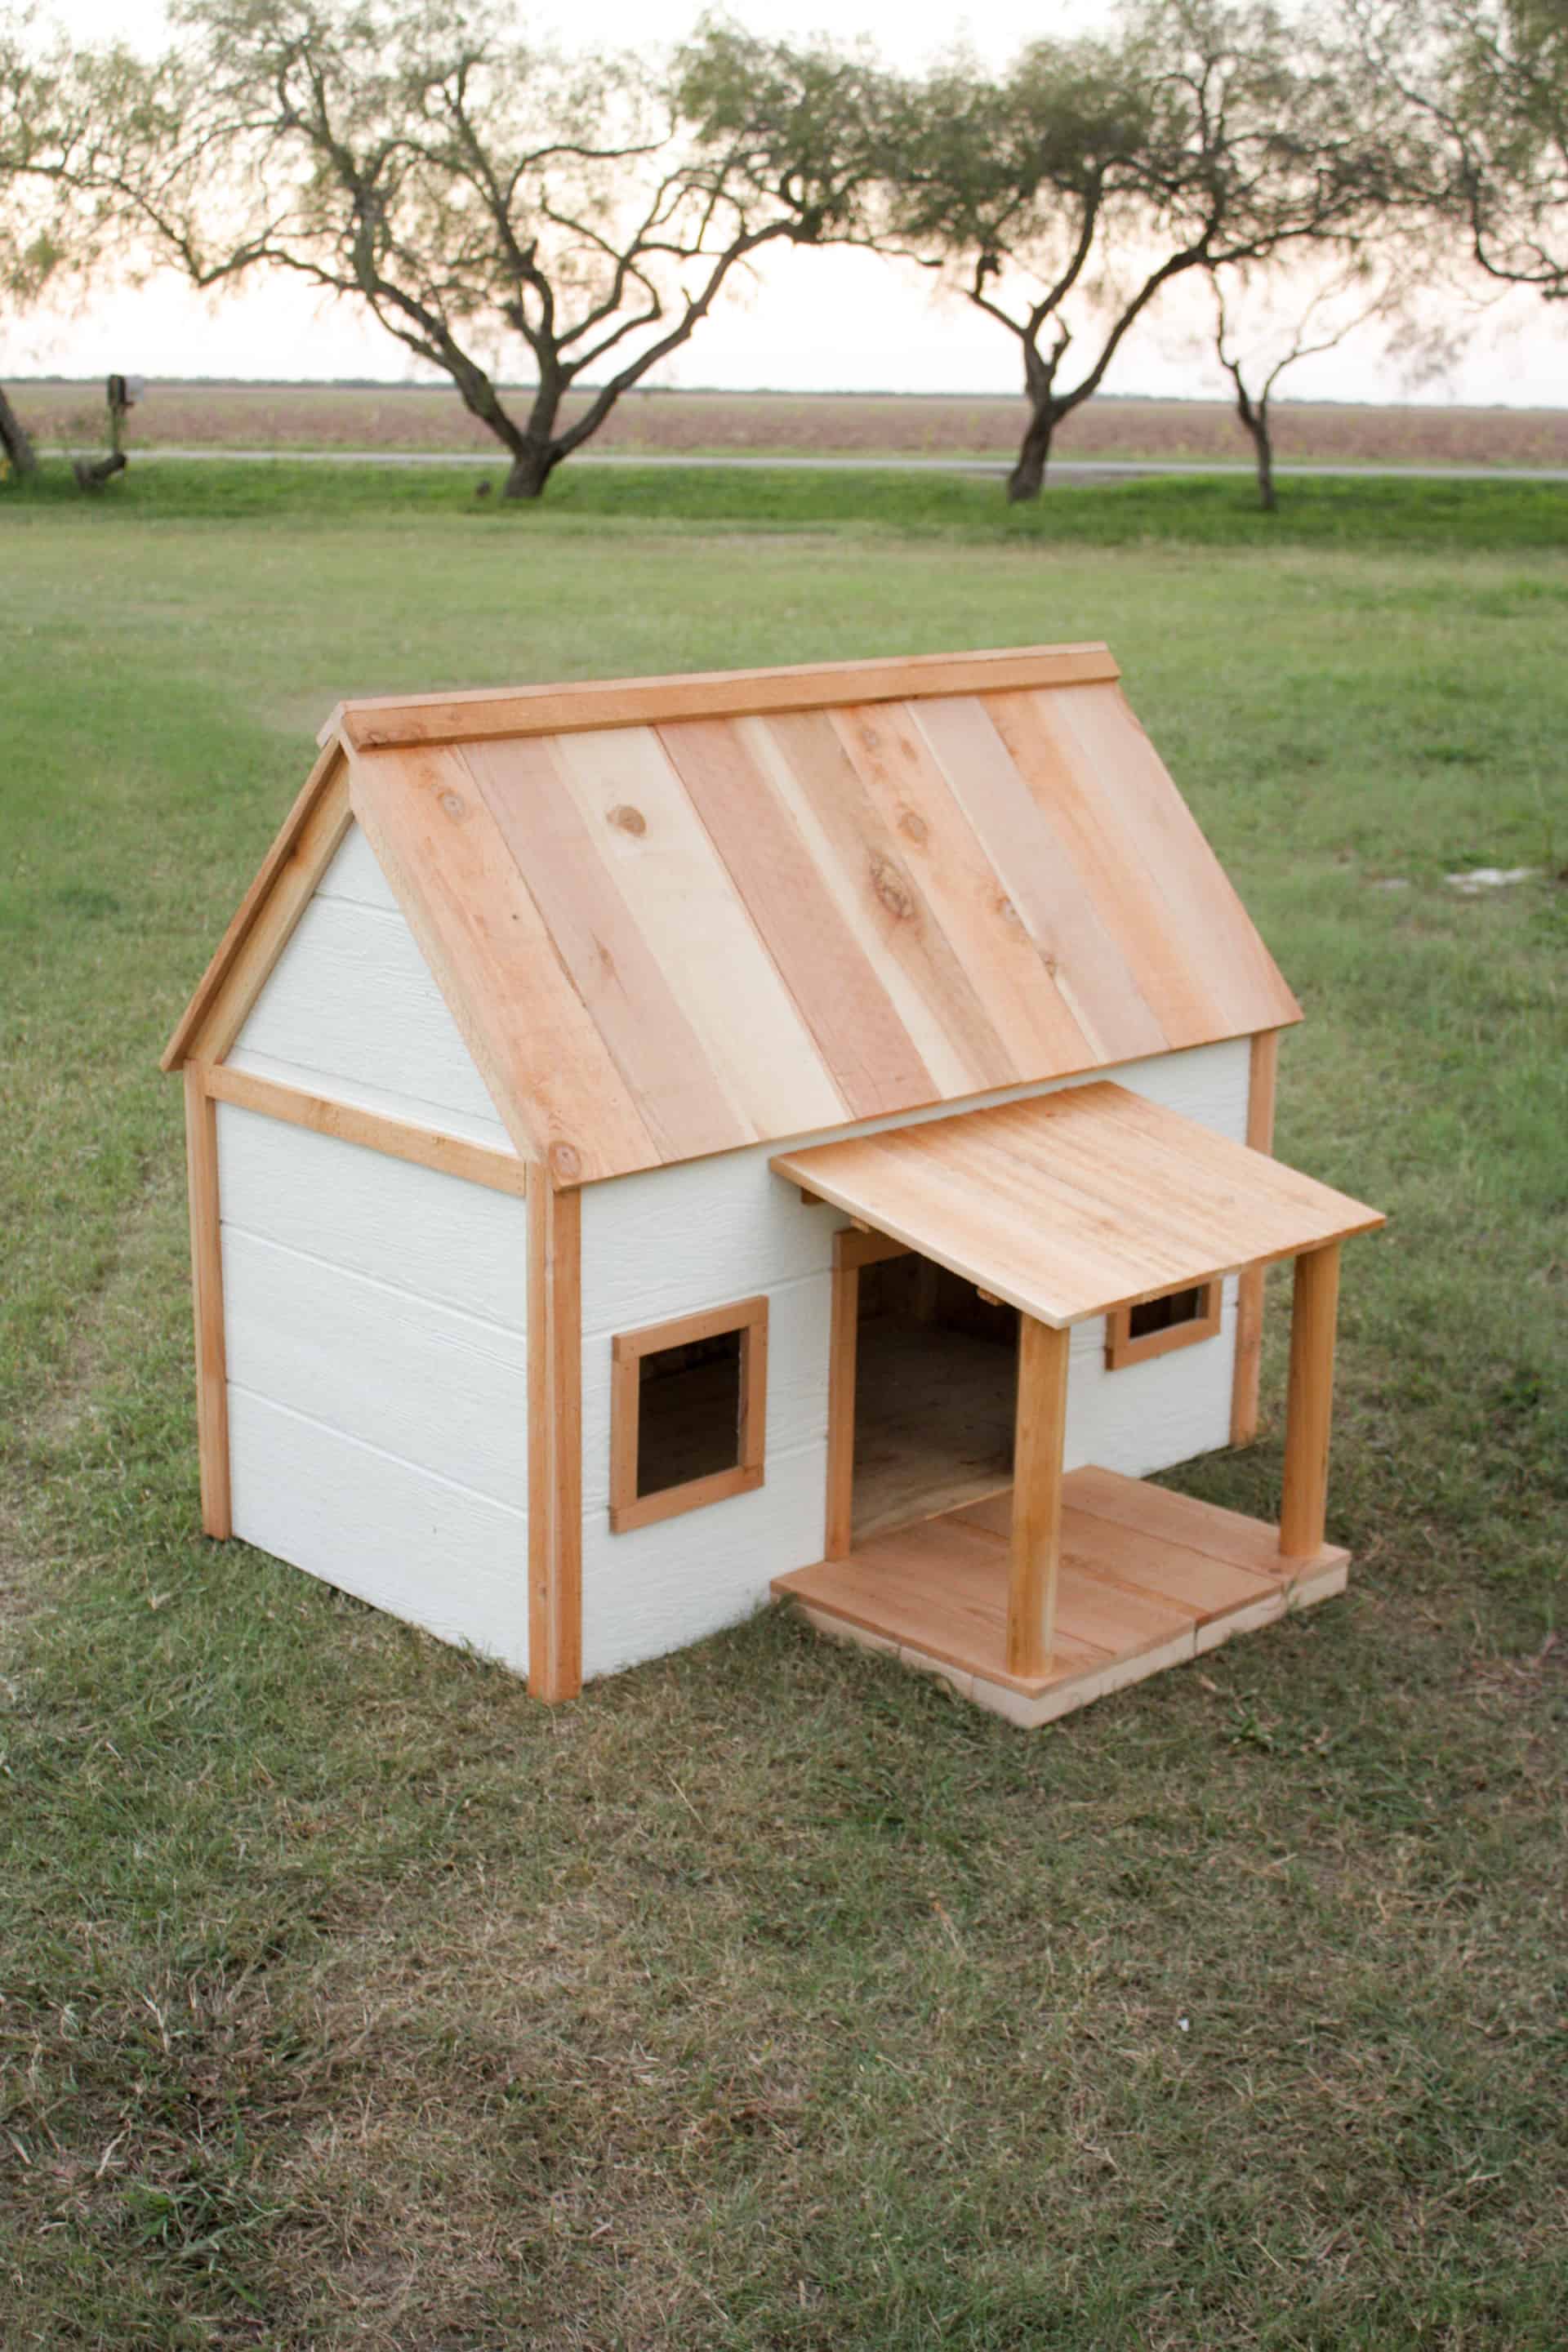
(804, 1132)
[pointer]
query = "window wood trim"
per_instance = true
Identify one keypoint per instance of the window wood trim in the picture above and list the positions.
(1121, 1348)
(628, 1509)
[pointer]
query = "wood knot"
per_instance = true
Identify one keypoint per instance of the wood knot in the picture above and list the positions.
(892, 890)
(455, 806)
(565, 1163)
(630, 820)
(1007, 909)
(913, 825)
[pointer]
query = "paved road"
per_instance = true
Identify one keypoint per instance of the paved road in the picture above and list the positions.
(1062, 469)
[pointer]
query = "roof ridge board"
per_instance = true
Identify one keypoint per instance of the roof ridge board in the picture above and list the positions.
(380, 723)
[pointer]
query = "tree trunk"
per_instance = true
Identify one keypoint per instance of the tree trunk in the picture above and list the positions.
(530, 469)
(1027, 477)
(91, 473)
(1263, 445)
(13, 439)
(1254, 415)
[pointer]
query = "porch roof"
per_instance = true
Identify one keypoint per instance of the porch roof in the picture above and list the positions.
(1071, 1203)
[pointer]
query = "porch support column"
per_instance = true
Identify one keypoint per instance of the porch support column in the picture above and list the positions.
(1308, 1409)
(1040, 1436)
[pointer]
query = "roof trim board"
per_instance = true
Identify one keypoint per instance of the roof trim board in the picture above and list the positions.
(390, 722)
(1070, 1204)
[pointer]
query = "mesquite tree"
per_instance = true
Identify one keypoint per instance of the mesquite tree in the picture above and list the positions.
(484, 197)
(1061, 196)
(1486, 82)
(50, 230)
(1267, 321)
(1069, 195)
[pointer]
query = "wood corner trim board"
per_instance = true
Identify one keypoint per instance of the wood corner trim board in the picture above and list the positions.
(207, 1296)
(397, 722)
(1263, 1078)
(554, 1443)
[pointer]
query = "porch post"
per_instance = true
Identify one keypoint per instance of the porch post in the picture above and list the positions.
(1040, 1434)
(842, 1348)
(1308, 1409)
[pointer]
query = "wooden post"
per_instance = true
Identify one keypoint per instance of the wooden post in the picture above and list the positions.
(554, 1441)
(1261, 1085)
(1041, 1432)
(1309, 1410)
(841, 1360)
(207, 1293)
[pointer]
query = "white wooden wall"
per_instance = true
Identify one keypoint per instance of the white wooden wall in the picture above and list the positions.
(351, 1011)
(677, 1239)
(375, 1311)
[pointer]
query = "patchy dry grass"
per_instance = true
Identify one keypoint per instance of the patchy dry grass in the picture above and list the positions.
(766, 1997)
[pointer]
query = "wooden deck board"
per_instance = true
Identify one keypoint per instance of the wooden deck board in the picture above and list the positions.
(1148, 1579)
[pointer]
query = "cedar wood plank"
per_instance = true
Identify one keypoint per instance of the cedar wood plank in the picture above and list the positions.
(554, 1443)
(912, 795)
(921, 969)
(1128, 774)
(561, 1096)
(1036, 868)
(1110, 857)
(684, 902)
(1125, 1183)
(1262, 1082)
(661, 1060)
(397, 1139)
(387, 722)
(207, 1299)
(874, 1062)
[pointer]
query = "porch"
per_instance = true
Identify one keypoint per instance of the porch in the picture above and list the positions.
(1058, 1586)
(1145, 1579)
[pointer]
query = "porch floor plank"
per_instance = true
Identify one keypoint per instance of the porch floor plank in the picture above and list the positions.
(1148, 1579)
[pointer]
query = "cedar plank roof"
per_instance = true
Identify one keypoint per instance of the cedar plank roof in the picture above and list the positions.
(674, 917)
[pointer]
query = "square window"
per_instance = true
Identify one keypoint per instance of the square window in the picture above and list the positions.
(1177, 1318)
(688, 1411)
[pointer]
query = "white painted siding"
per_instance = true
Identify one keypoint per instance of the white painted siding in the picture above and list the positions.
(673, 1240)
(375, 1315)
(349, 1011)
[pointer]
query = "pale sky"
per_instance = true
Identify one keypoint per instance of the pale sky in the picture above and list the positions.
(808, 321)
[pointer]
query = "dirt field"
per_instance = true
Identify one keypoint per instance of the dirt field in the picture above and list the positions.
(393, 417)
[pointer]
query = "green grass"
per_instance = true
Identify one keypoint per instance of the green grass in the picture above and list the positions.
(1376, 514)
(766, 1997)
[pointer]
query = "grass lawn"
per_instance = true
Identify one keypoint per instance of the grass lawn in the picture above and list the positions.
(766, 1998)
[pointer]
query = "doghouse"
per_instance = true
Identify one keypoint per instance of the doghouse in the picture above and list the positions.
(802, 1131)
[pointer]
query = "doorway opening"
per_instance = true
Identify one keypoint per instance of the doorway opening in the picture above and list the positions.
(936, 1382)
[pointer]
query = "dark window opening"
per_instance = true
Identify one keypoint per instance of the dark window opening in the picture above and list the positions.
(1152, 1315)
(688, 1413)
